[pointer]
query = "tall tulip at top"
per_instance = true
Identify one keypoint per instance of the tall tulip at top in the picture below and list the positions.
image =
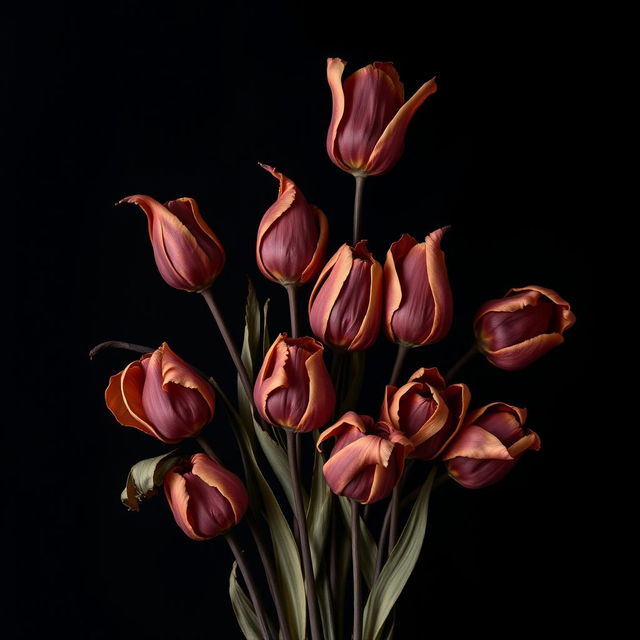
(369, 119)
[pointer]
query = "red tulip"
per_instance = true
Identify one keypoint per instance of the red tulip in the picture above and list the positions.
(367, 459)
(345, 305)
(188, 254)
(427, 411)
(206, 499)
(521, 327)
(418, 300)
(292, 237)
(293, 389)
(161, 395)
(370, 117)
(488, 445)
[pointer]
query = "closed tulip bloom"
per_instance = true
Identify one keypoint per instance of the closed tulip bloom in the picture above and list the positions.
(188, 254)
(367, 459)
(488, 445)
(418, 299)
(206, 499)
(161, 395)
(521, 327)
(346, 303)
(292, 236)
(370, 117)
(427, 411)
(293, 388)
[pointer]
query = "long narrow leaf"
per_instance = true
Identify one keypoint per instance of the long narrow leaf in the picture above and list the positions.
(400, 564)
(243, 608)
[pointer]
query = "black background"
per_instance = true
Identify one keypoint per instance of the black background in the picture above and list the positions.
(175, 100)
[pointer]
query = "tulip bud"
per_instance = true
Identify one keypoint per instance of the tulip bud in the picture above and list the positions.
(418, 300)
(427, 411)
(206, 499)
(161, 395)
(370, 117)
(346, 302)
(488, 445)
(292, 236)
(367, 459)
(188, 254)
(516, 330)
(293, 388)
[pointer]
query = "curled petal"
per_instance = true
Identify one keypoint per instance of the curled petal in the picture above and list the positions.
(390, 145)
(335, 69)
(476, 442)
(175, 488)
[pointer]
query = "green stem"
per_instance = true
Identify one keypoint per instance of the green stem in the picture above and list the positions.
(357, 583)
(466, 358)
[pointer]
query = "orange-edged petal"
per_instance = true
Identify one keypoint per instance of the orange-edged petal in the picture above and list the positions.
(475, 442)
(530, 441)
(388, 149)
(430, 376)
(568, 319)
(349, 420)
(175, 370)
(519, 413)
(392, 285)
(321, 248)
(322, 398)
(370, 327)
(440, 288)
(124, 398)
(335, 69)
(272, 375)
(520, 355)
(175, 489)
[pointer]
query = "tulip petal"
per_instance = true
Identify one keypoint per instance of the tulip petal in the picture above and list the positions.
(393, 289)
(175, 489)
(475, 442)
(388, 149)
(349, 420)
(440, 287)
(567, 319)
(520, 355)
(430, 376)
(124, 398)
(529, 441)
(342, 467)
(321, 247)
(370, 325)
(477, 416)
(322, 399)
(335, 69)
(385, 478)
(272, 375)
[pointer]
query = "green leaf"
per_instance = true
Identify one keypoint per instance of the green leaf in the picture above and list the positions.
(266, 341)
(250, 347)
(368, 549)
(398, 568)
(243, 608)
(145, 477)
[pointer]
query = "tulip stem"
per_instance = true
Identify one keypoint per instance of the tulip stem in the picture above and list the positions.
(229, 341)
(117, 344)
(398, 364)
(295, 332)
(357, 585)
(248, 580)
(305, 551)
(357, 209)
(206, 447)
(467, 357)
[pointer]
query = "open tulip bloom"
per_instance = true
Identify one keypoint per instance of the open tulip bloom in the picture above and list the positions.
(288, 402)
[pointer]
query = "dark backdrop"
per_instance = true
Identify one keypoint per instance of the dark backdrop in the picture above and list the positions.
(127, 97)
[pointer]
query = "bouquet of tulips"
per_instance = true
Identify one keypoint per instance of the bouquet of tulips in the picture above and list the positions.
(309, 527)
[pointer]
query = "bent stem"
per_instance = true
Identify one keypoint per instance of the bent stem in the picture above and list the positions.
(305, 551)
(229, 342)
(357, 208)
(465, 359)
(248, 580)
(357, 584)
(118, 344)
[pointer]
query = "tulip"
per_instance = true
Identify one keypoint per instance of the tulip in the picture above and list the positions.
(292, 236)
(367, 459)
(161, 395)
(427, 411)
(293, 388)
(370, 117)
(346, 302)
(516, 330)
(489, 444)
(188, 254)
(418, 300)
(206, 499)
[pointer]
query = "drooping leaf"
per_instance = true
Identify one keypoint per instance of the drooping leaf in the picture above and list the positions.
(398, 568)
(242, 607)
(250, 348)
(145, 477)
